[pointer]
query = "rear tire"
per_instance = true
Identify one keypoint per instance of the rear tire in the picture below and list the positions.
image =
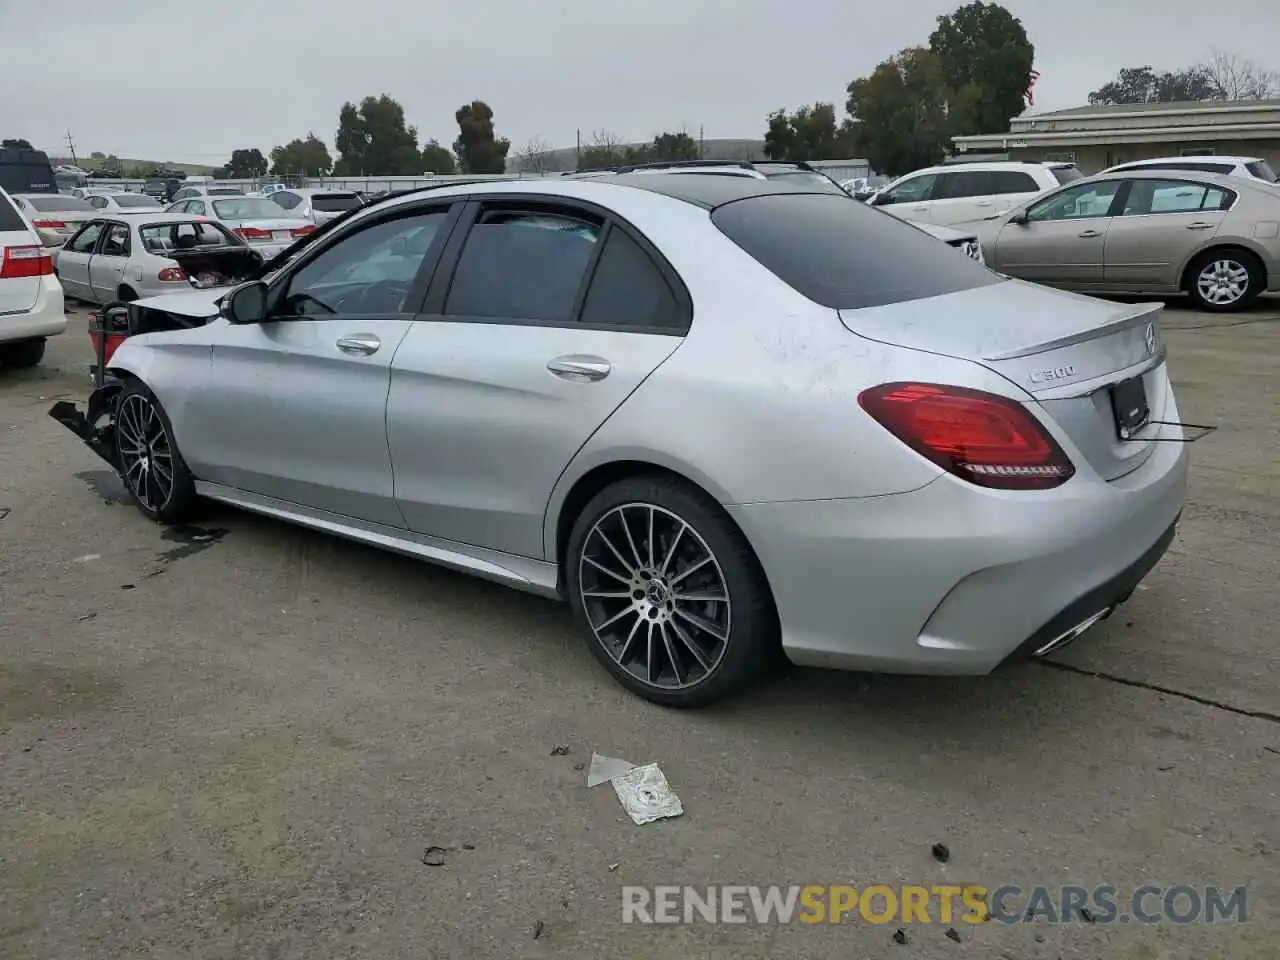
(1223, 281)
(22, 354)
(669, 593)
(150, 465)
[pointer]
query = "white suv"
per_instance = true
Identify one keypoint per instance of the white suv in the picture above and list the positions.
(965, 192)
(31, 303)
(1252, 168)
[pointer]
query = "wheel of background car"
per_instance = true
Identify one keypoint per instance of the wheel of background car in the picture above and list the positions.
(1222, 281)
(147, 457)
(22, 354)
(668, 592)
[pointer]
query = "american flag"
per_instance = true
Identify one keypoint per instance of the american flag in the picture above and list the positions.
(1031, 82)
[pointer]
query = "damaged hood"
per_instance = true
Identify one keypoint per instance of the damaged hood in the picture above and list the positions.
(195, 303)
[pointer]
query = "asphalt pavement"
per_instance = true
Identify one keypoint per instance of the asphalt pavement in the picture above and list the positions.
(237, 740)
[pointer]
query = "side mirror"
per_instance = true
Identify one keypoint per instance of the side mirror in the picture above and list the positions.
(1020, 218)
(246, 304)
(881, 200)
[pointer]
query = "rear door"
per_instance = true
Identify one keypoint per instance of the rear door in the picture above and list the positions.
(107, 265)
(543, 319)
(1063, 238)
(1162, 224)
(1009, 188)
(961, 195)
(73, 260)
(20, 250)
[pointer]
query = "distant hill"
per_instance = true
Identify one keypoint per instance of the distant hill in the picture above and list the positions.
(88, 163)
(720, 149)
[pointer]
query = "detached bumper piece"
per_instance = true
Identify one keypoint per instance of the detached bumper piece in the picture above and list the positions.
(101, 403)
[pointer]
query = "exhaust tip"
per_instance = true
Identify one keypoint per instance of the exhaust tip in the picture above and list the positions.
(1068, 635)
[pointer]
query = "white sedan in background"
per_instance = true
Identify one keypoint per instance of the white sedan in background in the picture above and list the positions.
(255, 220)
(114, 204)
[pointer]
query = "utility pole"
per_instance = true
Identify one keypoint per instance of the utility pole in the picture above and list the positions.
(577, 161)
(701, 139)
(71, 145)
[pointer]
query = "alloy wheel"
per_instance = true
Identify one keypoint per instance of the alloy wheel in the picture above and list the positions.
(146, 456)
(655, 596)
(1223, 282)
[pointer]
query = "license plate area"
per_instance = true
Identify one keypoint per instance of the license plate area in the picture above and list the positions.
(1129, 404)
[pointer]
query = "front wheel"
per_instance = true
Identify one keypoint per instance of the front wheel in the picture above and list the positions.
(1221, 281)
(672, 599)
(153, 470)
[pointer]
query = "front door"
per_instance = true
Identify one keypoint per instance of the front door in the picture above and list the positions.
(1162, 224)
(1062, 238)
(521, 363)
(73, 260)
(297, 406)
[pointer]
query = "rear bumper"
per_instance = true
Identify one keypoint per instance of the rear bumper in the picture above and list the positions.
(953, 579)
(85, 424)
(47, 318)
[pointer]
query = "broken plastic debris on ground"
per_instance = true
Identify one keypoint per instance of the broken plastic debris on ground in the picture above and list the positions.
(643, 791)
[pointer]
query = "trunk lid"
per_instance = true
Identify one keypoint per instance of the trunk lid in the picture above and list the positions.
(211, 267)
(1066, 350)
(281, 228)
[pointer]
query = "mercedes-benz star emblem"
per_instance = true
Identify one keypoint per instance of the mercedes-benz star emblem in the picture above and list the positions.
(1151, 339)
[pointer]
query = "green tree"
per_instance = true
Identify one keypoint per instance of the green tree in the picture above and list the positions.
(112, 166)
(669, 147)
(16, 143)
(97, 155)
(373, 140)
(901, 112)
(1145, 85)
(478, 148)
(437, 159)
(245, 163)
(985, 59)
(810, 133)
(301, 158)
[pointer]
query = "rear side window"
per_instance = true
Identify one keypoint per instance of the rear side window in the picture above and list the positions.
(961, 184)
(843, 255)
(1014, 181)
(628, 290)
(1262, 170)
(334, 202)
(522, 267)
(285, 199)
(10, 219)
(1065, 174)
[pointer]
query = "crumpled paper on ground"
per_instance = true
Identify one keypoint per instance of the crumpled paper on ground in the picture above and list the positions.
(643, 791)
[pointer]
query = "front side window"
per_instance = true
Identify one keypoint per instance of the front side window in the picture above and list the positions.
(1076, 203)
(86, 239)
(365, 273)
(522, 265)
(911, 190)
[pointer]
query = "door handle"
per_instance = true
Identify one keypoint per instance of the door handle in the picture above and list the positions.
(1199, 225)
(580, 368)
(361, 344)
(1090, 234)
(984, 203)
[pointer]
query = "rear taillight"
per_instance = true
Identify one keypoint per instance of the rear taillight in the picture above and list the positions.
(303, 231)
(249, 234)
(172, 275)
(21, 262)
(49, 224)
(988, 440)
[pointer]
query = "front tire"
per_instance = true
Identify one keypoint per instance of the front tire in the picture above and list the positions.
(669, 593)
(22, 353)
(153, 470)
(1222, 281)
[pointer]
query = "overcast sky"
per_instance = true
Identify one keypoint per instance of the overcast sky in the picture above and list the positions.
(190, 81)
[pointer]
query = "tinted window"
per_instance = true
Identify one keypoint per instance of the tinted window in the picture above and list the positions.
(1014, 181)
(136, 200)
(1077, 203)
(86, 239)
(1262, 170)
(628, 290)
(961, 184)
(57, 204)
(843, 255)
(10, 219)
(334, 202)
(283, 198)
(246, 208)
(365, 273)
(522, 266)
(1065, 175)
(224, 192)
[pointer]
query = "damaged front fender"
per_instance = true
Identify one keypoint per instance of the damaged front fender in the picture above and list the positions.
(102, 403)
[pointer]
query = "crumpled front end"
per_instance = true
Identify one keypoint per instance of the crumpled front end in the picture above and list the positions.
(95, 425)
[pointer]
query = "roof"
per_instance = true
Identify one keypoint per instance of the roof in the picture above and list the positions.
(1170, 106)
(700, 189)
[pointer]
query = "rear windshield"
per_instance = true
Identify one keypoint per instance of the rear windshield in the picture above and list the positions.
(1066, 174)
(1262, 170)
(58, 203)
(247, 208)
(332, 202)
(224, 192)
(163, 238)
(804, 178)
(844, 254)
(10, 219)
(136, 200)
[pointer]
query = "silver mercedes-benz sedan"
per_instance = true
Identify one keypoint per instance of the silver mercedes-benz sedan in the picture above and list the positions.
(714, 414)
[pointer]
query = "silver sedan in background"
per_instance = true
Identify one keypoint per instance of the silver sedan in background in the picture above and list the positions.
(255, 220)
(129, 203)
(318, 206)
(55, 216)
